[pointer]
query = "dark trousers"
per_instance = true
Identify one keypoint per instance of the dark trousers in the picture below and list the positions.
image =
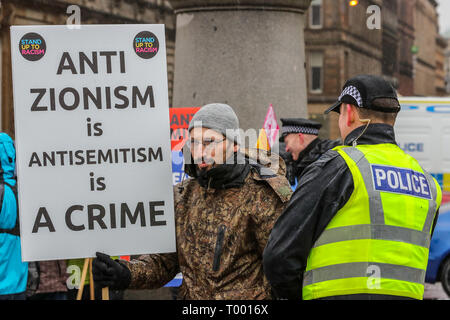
(49, 296)
(14, 296)
(113, 294)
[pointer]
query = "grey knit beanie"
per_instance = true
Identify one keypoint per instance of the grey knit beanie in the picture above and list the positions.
(218, 117)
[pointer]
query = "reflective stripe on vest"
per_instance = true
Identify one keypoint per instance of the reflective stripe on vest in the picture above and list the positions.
(375, 238)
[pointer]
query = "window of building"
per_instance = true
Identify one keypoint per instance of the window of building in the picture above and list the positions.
(315, 15)
(316, 72)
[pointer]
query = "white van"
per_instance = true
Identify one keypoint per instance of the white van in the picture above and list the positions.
(422, 130)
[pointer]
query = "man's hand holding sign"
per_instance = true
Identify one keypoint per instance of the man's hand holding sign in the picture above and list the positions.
(110, 273)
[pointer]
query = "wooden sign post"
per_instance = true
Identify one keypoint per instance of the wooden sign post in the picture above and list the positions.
(105, 291)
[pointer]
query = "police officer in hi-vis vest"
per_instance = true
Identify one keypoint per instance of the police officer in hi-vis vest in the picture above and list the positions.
(360, 222)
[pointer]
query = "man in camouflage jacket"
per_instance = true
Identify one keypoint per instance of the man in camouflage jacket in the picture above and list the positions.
(224, 215)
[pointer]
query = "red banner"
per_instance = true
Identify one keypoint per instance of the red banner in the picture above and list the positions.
(179, 123)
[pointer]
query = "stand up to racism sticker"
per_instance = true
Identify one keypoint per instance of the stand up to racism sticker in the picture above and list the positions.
(32, 46)
(146, 44)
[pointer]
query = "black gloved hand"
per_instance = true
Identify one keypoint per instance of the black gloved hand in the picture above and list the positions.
(110, 273)
(290, 173)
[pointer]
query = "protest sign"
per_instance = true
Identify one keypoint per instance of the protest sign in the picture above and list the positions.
(271, 126)
(179, 124)
(93, 140)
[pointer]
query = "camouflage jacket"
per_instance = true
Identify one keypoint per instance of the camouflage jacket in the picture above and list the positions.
(221, 235)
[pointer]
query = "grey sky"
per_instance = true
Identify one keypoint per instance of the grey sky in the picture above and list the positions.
(444, 16)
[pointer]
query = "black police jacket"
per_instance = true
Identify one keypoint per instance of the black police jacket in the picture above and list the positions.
(312, 153)
(325, 187)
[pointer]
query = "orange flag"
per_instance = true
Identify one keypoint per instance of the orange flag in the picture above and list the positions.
(263, 142)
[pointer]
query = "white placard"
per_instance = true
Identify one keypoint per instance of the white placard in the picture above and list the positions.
(92, 140)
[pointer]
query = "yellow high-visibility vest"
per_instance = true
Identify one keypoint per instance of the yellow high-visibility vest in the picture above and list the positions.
(378, 242)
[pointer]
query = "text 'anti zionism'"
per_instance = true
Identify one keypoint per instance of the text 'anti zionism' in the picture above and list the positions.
(69, 98)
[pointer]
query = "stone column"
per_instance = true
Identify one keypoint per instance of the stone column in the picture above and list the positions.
(246, 53)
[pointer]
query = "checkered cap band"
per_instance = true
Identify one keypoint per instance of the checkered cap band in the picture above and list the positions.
(354, 93)
(299, 129)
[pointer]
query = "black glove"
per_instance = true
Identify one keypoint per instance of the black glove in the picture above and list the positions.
(290, 172)
(110, 273)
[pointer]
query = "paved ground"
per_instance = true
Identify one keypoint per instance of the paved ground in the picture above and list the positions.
(432, 292)
(159, 294)
(435, 292)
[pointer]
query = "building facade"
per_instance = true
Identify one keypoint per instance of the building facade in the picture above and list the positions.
(426, 32)
(405, 66)
(338, 46)
(396, 39)
(447, 66)
(441, 68)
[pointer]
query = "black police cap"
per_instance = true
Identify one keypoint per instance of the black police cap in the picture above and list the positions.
(299, 125)
(362, 90)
